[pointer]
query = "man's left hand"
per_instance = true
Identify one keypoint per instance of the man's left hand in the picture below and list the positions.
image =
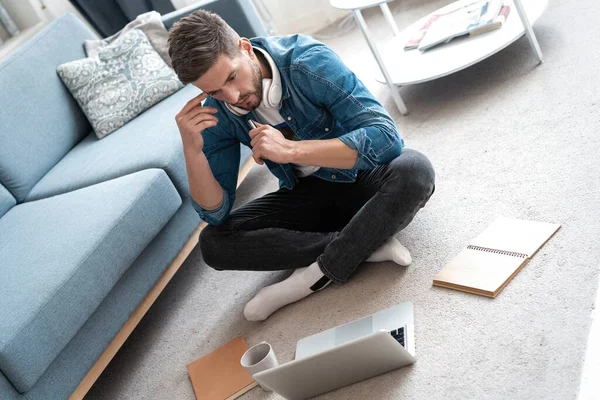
(269, 144)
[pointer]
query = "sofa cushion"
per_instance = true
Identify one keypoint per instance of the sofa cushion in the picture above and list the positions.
(151, 140)
(73, 363)
(124, 80)
(7, 391)
(150, 23)
(62, 255)
(40, 119)
(7, 201)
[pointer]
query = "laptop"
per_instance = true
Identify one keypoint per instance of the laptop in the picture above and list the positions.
(346, 354)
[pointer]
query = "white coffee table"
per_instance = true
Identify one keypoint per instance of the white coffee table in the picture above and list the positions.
(400, 68)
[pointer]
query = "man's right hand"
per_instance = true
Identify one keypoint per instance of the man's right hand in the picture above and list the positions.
(192, 120)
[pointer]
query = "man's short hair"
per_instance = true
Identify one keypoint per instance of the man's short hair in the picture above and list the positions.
(197, 41)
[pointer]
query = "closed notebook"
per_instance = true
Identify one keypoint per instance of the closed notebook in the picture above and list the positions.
(494, 257)
(219, 375)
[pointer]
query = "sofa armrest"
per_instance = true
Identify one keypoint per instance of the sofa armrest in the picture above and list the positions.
(239, 14)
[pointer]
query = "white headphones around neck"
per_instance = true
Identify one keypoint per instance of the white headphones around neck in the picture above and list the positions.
(271, 89)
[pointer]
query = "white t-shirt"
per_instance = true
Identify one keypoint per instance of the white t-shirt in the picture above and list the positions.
(270, 115)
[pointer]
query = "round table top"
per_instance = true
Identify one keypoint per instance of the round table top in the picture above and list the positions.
(356, 4)
(413, 66)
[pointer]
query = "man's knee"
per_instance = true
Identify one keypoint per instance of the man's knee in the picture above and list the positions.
(212, 246)
(413, 171)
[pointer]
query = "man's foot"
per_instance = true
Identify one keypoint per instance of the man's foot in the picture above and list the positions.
(392, 250)
(301, 283)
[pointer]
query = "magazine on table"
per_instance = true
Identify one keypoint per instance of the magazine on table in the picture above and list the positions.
(471, 19)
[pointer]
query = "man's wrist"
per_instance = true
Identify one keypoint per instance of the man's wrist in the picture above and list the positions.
(190, 154)
(296, 152)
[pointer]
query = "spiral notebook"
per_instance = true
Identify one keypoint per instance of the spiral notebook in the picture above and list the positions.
(494, 257)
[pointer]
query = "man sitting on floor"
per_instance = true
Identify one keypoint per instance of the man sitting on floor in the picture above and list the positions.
(346, 183)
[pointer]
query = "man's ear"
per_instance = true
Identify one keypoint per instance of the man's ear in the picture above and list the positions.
(246, 48)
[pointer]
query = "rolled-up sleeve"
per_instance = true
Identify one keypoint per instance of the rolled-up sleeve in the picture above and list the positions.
(217, 216)
(223, 155)
(370, 156)
(326, 81)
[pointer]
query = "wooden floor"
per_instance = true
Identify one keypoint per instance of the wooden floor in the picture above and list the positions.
(141, 310)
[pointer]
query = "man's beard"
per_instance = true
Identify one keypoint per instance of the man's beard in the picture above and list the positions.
(258, 90)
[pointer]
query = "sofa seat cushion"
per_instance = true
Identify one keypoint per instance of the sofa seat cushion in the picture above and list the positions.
(151, 140)
(62, 255)
(7, 201)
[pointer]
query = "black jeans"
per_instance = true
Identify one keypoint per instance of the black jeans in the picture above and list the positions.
(337, 224)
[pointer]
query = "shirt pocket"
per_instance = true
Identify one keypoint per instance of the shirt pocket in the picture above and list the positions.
(321, 126)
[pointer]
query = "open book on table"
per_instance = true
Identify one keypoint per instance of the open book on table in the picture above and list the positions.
(472, 19)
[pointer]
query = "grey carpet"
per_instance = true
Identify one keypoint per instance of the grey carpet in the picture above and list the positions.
(507, 137)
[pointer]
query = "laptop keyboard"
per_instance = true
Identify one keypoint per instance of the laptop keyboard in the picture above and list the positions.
(399, 335)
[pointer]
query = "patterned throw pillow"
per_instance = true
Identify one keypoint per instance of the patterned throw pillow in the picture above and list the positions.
(125, 79)
(150, 23)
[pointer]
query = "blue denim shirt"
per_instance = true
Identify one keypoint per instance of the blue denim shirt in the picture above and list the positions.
(322, 99)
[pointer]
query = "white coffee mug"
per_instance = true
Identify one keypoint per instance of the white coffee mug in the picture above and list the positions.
(259, 358)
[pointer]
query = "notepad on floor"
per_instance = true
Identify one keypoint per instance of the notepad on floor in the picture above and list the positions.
(219, 375)
(494, 257)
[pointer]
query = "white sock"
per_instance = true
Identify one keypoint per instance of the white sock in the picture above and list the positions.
(296, 287)
(392, 250)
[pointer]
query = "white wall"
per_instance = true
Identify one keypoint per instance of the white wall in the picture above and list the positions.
(28, 13)
(293, 16)
(302, 16)
(31, 16)
(181, 3)
(287, 16)
(57, 8)
(25, 14)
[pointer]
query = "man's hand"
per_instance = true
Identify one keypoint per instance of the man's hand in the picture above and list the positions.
(269, 144)
(192, 120)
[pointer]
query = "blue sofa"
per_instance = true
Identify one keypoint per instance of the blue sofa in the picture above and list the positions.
(87, 226)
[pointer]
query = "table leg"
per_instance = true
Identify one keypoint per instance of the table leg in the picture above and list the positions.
(395, 95)
(389, 18)
(529, 30)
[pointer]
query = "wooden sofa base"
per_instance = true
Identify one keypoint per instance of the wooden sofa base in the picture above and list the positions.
(141, 310)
